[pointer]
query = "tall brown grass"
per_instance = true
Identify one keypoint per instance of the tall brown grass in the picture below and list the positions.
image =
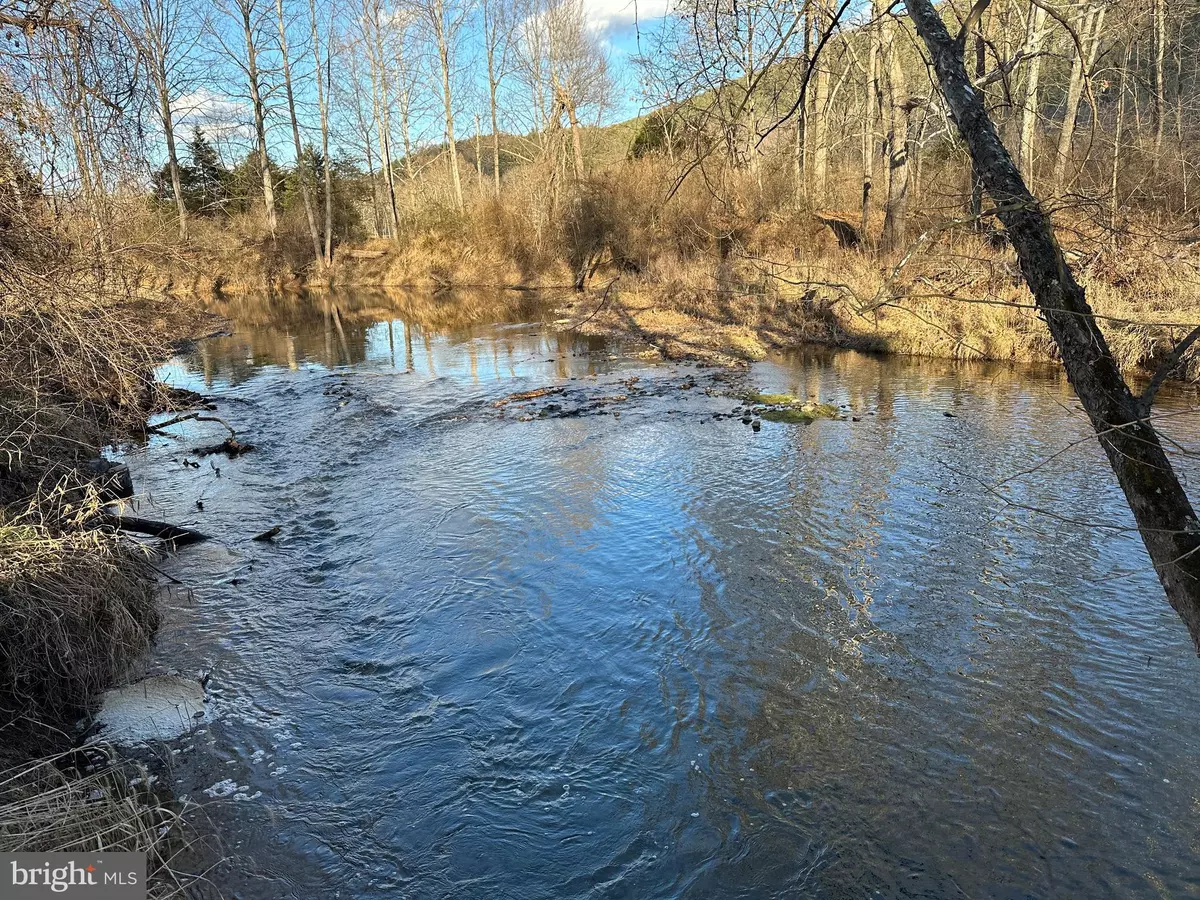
(49, 806)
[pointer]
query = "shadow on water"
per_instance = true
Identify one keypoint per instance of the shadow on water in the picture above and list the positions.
(659, 654)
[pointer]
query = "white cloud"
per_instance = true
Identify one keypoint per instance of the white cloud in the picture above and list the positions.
(611, 16)
(217, 114)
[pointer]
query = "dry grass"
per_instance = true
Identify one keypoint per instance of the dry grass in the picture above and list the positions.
(77, 607)
(78, 348)
(48, 806)
(952, 295)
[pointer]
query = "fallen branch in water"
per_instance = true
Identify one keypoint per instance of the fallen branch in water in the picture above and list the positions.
(190, 417)
(176, 534)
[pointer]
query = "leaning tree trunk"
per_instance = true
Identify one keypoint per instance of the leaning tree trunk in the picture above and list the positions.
(1122, 423)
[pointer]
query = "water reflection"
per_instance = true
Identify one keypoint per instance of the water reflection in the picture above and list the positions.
(662, 655)
(407, 330)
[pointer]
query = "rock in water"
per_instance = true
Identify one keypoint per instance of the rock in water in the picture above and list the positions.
(158, 708)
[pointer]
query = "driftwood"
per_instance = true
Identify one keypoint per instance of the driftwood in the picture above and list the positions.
(267, 535)
(175, 534)
(189, 417)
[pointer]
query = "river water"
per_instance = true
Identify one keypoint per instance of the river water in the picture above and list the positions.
(541, 650)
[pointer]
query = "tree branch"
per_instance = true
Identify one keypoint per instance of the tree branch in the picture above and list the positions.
(1168, 366)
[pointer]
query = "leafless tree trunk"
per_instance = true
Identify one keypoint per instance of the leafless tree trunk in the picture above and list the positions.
(1088, 25)
(1118, 136)
(444, 36)
(1034, 39)
(157, 39)
(246, 12)
(497, 40)
(820, 122)
(1160, 506)
(381, 106)
(976, 181)
(568, 105)
(365, 129)
(870, 110)
(899, 114)
(479, 151)
(301, 175)
(323, 88)
(1158, 116)
(803, 157)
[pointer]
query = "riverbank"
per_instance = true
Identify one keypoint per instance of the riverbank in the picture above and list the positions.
(79, 345)
(786, 281)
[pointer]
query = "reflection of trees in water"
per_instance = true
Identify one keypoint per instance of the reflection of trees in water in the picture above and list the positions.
(332, 328)
(878, 687)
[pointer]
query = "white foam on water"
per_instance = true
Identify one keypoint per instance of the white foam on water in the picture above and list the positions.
(159, 708)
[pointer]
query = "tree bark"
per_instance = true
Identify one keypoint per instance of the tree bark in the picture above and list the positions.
(1160, 506)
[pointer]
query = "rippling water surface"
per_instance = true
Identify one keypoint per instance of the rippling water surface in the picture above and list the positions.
(516, 652)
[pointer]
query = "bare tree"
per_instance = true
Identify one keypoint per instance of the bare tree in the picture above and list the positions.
(1035, 37)
(161, 32)
(899, 117)
(248, 17)
(1088, 23)
(323, 78)
(373, 28)
(500, 20)
(444, 19)
(1158, 14)
(301, 175)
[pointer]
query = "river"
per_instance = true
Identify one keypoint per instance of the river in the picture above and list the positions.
(539, 650)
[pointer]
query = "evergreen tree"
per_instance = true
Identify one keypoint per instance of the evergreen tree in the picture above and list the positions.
(208, 179)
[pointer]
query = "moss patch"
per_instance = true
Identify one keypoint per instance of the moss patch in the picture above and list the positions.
(797, 414)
